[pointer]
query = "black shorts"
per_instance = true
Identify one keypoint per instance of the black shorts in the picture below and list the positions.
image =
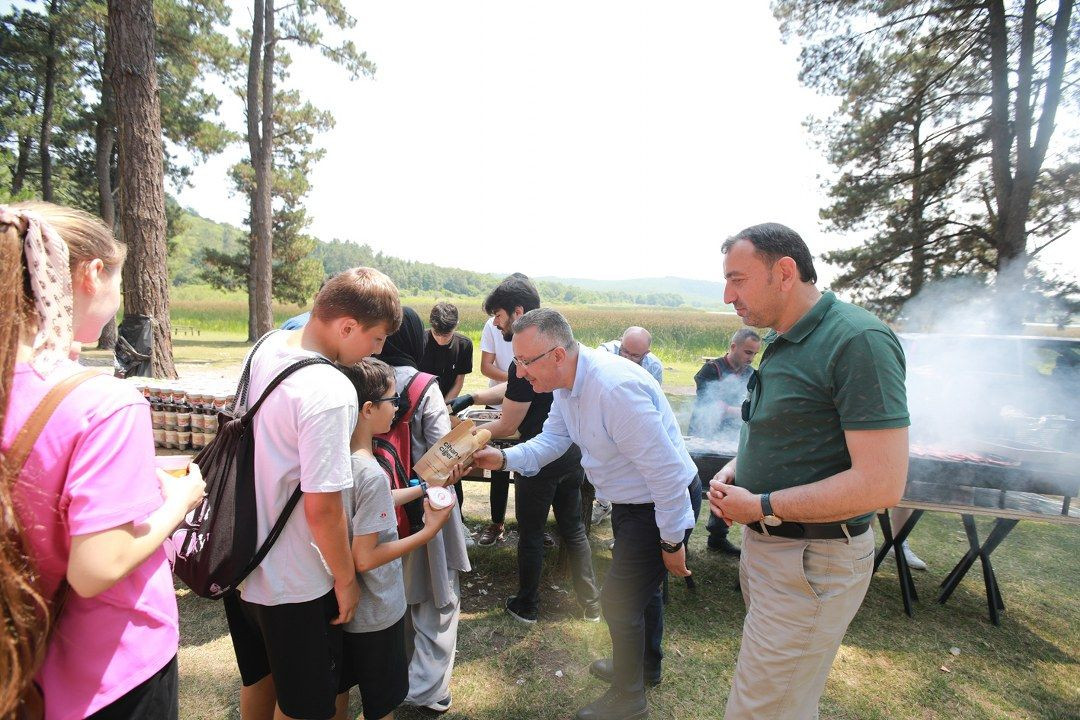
(295, 643)
(156, 698)
(376, 663)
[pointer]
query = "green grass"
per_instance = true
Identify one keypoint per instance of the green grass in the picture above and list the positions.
(889, 667)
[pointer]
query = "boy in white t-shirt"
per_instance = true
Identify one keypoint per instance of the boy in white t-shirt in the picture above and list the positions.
(375, 658)
(286, 619)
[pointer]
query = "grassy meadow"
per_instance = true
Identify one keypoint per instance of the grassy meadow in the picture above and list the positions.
(890, 667)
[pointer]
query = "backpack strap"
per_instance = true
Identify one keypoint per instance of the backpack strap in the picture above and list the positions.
(295, 497)
(414, 391)
(245, 376)
(273, 536)
(280, 378)
(20, 449)
(28, 434)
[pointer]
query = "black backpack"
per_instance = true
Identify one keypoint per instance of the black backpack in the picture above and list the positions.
(216, 544)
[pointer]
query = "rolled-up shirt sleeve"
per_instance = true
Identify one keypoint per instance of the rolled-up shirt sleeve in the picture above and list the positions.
(528, 457)
(636, 427)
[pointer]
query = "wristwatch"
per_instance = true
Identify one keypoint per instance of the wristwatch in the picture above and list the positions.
(671, 548)
(768, 518)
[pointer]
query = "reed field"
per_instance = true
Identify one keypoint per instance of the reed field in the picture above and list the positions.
(681, 337)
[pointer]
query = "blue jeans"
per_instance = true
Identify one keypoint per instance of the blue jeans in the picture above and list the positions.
(533, 497)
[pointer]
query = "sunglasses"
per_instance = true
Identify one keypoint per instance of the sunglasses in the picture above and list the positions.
(394, 400)
(752, 385)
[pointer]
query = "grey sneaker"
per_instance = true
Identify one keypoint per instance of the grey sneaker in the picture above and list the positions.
(601, 510)
(914, 561)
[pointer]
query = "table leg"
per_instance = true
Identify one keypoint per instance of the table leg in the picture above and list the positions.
(887, 538)
(908, 592)
(1002, 527)
(957, 574)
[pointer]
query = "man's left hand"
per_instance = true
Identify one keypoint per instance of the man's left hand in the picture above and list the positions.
(735, 503)
(676, 562)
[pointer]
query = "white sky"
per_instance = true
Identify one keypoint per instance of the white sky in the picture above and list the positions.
(590, 139)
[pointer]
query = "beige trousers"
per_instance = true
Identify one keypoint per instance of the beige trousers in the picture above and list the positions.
(800, 596)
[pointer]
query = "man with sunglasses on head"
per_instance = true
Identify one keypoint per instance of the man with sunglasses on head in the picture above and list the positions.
(824, 444)
(636, 345)
(556, 485)
(633, 450)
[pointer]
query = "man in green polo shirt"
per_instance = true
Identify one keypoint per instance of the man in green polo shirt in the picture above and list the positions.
(824, 444)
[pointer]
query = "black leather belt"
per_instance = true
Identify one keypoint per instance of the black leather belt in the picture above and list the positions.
(811, 531)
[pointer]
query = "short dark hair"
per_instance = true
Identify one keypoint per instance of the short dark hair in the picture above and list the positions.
(511, 293)
(371, 377)
(742, 335)
(443, 317)
(773, 241)
(550, 323)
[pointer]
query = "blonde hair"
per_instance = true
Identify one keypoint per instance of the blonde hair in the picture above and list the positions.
(25, 609)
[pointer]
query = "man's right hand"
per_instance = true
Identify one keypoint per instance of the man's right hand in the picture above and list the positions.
(488, 458)
(348, 597)
(459, 403)
(725, 477)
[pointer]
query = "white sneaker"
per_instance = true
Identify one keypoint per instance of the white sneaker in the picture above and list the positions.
(600, 511)
(914, 561)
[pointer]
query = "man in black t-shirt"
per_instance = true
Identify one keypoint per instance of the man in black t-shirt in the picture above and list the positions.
(447, 354)
(558, 484)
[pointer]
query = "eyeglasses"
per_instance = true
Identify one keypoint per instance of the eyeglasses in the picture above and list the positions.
(636, 357)
(394, 400)
(754, 383)
(527, 363)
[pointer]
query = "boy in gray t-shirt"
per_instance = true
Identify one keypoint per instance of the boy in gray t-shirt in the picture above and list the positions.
(374, 645)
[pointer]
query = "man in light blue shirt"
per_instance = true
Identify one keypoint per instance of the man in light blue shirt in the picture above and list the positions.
(632, 450)
(635, 346)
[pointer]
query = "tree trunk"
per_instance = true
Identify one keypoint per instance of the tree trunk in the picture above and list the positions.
(917, 271)
(22, 162)
(1014, 184)
(45, 139)
(104, 141)
(142, 190)
(260, 124)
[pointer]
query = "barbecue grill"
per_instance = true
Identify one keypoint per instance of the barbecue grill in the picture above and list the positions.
(1011, 459)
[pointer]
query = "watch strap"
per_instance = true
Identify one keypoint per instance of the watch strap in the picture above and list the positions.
(766, 504)
(671, 547)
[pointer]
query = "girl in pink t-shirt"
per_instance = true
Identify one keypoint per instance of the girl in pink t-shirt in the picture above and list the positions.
(90, 508)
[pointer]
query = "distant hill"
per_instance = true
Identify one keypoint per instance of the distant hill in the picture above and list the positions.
(701, 293)
(197, 234)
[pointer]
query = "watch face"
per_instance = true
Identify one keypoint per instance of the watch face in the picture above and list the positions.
(771, 520)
